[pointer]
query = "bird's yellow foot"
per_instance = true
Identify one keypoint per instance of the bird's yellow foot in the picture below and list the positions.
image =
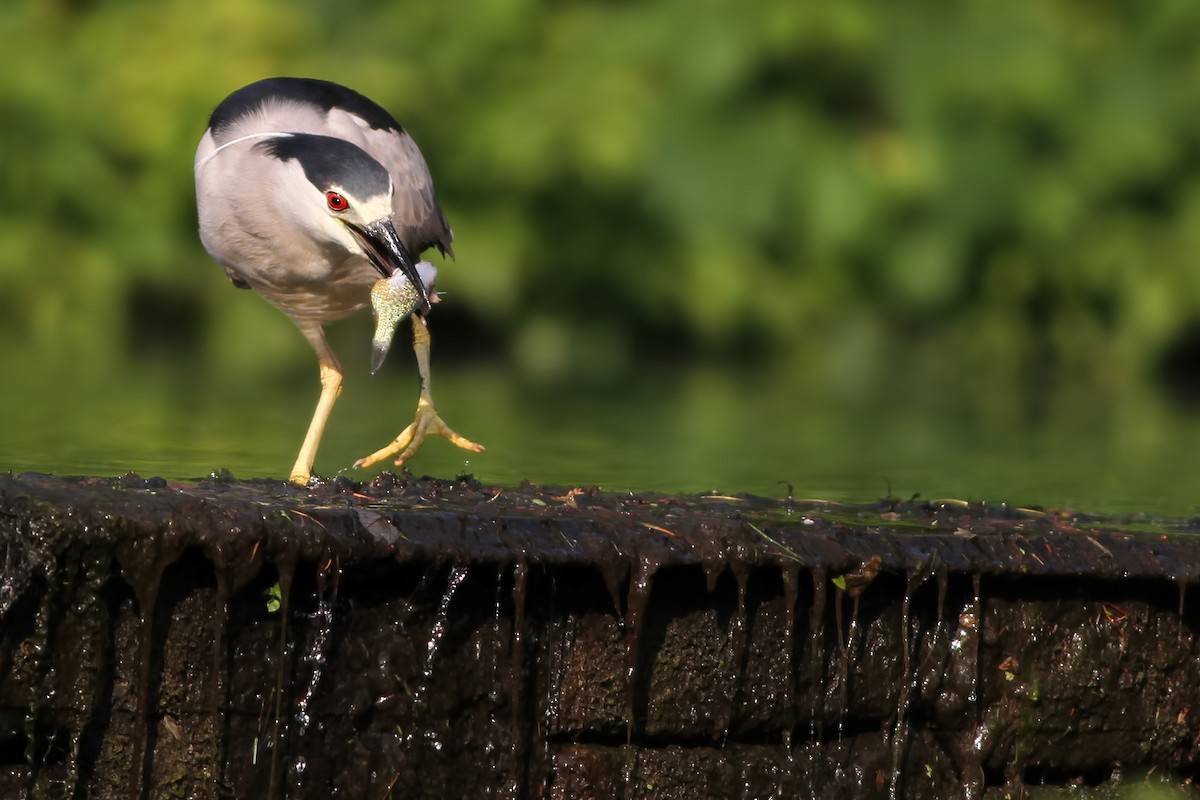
(409, 441)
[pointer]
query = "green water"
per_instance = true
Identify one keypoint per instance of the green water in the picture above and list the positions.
(653, 427)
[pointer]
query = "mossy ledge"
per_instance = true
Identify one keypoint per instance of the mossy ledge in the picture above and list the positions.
(427, 639)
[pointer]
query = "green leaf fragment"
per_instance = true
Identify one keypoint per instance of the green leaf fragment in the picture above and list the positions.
(274, 598)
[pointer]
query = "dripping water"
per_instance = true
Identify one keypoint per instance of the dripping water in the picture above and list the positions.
(712, 573)
(816, 656)
(287, 571)
(843, 659)
(87, 681)
(494, 650)
(977, 625)
(1182, 584)
(560, 642)
(516, 677)
(615, 574)
(13, 578)
(791, 578)
(494, 696)
(854, 583)
(314, 660)
(316, 654)
(629, 753)
(900, 725)
(966, 646)
(635, 607)
(943, 584)
(215, 694)
(737, 642)
(851, 637)
(147, 600)
(932, 668)
(908, 673)
(640, 585)
(458, 574)
(42, 691)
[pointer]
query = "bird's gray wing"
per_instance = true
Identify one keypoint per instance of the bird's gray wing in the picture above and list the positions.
(415, 211)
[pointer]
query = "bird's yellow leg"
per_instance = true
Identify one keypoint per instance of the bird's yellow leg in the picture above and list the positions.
(427, 420)
(331, 387)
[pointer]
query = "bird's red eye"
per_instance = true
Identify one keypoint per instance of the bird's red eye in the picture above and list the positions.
(336, 201)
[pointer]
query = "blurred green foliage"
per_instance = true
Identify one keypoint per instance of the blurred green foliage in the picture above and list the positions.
(1012, 186)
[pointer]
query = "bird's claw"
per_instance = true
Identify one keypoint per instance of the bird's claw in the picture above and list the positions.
(409, 441)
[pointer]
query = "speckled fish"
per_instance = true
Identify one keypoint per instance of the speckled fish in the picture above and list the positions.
(393, 299)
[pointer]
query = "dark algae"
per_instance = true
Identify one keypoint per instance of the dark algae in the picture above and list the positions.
(430, 638)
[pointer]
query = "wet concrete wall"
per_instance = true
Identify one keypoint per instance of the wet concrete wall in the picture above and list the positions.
(417, 639)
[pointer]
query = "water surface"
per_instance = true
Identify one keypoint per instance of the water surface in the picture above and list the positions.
(658, 428)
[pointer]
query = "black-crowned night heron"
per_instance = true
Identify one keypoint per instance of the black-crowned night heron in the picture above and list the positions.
(308, 193)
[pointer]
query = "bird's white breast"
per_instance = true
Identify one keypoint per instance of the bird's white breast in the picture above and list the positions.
(242, 227)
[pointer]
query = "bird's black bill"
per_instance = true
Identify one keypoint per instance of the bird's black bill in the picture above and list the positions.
(388, 254)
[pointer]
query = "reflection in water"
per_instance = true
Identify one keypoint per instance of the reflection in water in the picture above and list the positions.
(665, 429)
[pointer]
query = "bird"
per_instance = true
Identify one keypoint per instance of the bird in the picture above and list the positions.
(309, 193)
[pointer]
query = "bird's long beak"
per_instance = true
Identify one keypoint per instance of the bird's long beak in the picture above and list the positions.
(388, 254)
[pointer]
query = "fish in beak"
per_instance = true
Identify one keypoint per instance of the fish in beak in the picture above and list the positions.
(393, 299)
(389, 255)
